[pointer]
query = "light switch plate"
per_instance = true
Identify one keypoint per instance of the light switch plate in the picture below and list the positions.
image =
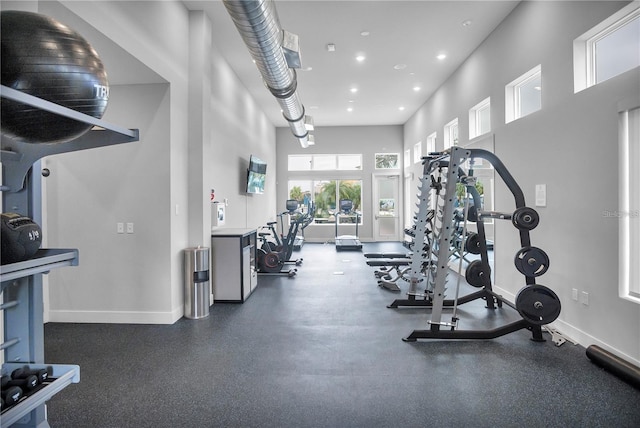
(541, 195)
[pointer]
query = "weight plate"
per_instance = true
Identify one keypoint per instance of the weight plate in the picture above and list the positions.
(531, 261)
(472, 244)
(525, 218)
(474, 273)
(538, 304)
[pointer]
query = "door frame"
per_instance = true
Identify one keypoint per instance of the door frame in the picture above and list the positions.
(399, 206)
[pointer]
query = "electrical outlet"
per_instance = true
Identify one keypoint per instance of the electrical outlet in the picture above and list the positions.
(584, 298)
(574, 294)
(120, 227)
(129, 227)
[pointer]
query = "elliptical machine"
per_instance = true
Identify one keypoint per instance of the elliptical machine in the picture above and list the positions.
(308, 217)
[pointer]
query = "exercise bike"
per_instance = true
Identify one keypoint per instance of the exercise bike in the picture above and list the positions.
(272, 256)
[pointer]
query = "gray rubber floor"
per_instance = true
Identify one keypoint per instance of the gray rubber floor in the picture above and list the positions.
(323, 350)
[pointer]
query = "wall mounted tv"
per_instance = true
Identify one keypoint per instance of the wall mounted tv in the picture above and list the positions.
(256, 175)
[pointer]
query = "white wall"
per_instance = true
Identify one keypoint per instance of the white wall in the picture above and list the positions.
(161, 183)
(570, 145)
(365, 140)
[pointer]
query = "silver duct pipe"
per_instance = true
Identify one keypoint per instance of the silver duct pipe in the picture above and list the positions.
(258, 24)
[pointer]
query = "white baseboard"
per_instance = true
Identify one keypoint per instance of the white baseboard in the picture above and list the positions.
(586, 340)
(115, 317)
(583, 339)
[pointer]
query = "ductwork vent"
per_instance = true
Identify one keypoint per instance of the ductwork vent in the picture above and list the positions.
(259, 26)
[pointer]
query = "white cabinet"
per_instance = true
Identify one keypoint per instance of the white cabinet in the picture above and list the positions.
(233, 264)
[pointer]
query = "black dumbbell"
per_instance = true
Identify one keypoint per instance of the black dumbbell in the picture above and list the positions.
(41, 374)
(26, 384)
(11, 395)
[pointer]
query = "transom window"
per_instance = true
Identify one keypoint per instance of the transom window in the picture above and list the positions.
(431, 143)
(322, 162)
(608, 49)
(417, 152)
(480, 118)
(387, 161)
(523, 96)
(451, 134)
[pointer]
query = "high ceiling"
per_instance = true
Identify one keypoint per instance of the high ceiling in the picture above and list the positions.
(400, 41)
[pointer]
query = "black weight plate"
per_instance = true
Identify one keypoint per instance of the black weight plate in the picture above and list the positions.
(474, 273)
(472, 244)
(525, 218)
(538, 304)
(531, 261)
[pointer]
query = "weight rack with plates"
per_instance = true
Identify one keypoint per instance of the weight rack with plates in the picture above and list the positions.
(536, 304)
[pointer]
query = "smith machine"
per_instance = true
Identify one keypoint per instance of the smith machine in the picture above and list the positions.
(435, 235)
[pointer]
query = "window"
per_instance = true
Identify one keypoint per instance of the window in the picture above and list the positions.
(451, 134)
(322, 190)
(628, 214)
(417, 152)
(431, 143)
(325, 193)
(387, 160)
(480, 119)
(608, 49)
(325, 162)
(349, 162)
(299, 163)
(523, 96)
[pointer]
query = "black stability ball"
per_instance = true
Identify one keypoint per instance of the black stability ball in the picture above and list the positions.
(47, 59)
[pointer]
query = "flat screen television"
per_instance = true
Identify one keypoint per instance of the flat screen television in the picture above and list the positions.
(257, 165)
(255, 182)
(256, 175)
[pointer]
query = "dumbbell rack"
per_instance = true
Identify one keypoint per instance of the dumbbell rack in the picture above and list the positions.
(21, 282)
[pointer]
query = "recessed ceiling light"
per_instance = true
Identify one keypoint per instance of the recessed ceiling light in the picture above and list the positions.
(360, 58)
(466, 23)
(401, 108)
(331, 47)
(400, 66)
(353, 90)
(416, 88)
(364, 33)
(351, 101)
(349, 109)
(441, 57)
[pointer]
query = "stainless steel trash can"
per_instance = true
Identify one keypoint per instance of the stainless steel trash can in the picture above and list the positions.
(197, 286)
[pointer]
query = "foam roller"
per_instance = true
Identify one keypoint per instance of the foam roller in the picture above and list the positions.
(614, 364)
